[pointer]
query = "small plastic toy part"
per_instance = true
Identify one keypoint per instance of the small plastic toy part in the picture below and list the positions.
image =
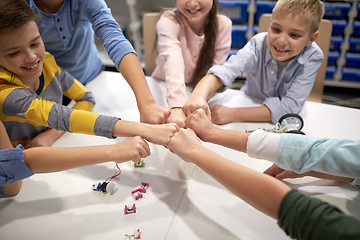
(137, 193)
(137, 234)
(104, 187)
(139, 164)
(144, 185)
(130, 209)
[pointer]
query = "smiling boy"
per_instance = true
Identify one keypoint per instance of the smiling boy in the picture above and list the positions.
(32, 86)
(280, 67)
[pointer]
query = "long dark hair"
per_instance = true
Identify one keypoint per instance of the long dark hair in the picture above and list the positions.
(207, 52)
(14, 14)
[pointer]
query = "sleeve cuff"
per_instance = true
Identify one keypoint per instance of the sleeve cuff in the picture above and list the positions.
(263, 145)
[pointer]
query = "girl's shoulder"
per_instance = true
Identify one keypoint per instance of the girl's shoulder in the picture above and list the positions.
(223, 19)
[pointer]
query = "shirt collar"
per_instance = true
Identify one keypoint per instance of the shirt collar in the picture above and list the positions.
(11, 78)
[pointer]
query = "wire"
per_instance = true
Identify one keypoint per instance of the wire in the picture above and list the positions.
(114, 176)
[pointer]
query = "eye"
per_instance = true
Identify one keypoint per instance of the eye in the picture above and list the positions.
(13, 53)
(294, 35)
(35, 44)
(276, 29)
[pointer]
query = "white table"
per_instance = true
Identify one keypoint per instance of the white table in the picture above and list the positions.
(182, 202)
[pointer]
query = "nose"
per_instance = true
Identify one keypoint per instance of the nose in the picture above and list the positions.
(192, 3)
(282, 39)
(30, 56)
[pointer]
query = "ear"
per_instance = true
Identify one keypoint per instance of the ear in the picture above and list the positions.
(313, 37)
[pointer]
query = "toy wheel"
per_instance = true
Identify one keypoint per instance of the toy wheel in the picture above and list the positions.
(296, 132)
(292, 121)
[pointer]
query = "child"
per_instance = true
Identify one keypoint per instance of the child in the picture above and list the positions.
(67, 28)
(324, 158)
(32, 85)
(191, 39)
(17, 164)
(280, 67)
(301, 217)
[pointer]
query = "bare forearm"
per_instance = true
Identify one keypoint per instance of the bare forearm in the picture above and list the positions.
(259, 190)
(328, 176)
(229, 138)
(131, 70)
(207, 86)
(62, 159)
(252, 114)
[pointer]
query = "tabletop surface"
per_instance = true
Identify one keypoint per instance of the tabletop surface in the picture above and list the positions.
(183, 202)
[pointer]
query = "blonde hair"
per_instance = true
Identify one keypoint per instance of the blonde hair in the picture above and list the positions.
(311, 10)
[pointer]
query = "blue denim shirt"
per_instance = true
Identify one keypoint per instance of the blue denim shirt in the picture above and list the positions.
(286, 94)
(12, 167)
(69, 36)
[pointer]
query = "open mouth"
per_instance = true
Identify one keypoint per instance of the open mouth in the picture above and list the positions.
(280, 50)
(33, 67)
(193, 11)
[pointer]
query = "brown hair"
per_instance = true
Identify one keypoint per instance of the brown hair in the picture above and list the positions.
(311, 10)
(207, 51)
(14, 14)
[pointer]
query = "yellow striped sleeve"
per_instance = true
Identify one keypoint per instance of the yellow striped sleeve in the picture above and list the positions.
(82, 122)
(83, 105)
(38, 112)
(76, 91)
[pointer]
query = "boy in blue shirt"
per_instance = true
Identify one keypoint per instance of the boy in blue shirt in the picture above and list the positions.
(280, 67)
(68, 28)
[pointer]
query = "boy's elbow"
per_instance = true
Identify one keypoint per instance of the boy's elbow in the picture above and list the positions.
(13, 189)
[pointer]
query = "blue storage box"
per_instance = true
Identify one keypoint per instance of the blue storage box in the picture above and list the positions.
(238, 36)
(335, 43)
(338, 27)
(358, 11)
(330, 71)
(351, 74)
(336, 10)
(352, 60)
(263, 7)
(356, 27)
(354, 45)
(332, 58)
(237, 10)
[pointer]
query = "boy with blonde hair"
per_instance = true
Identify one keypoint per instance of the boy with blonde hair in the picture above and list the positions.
(280, 67)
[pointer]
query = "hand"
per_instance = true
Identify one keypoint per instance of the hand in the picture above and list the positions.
(133, 149)
(200, 123)
(281, 174)
(195, 102)
(159, 134)
(184, 143)
(221, 114)
(177, 116)
(154, 114)
(45, 138)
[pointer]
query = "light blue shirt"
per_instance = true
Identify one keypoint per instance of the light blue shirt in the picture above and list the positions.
(301, 153)
(12, 167)
(69, 36)
(332, 156)
(286, 94)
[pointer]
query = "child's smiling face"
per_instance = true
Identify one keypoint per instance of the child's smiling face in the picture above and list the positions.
(22, 51)
(195, 10)
(288, 35)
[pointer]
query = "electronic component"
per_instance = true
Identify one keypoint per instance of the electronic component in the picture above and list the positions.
(104, 187)
(139, 164)
(130, 209)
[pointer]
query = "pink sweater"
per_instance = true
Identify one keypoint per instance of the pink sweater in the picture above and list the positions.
(179, 47)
